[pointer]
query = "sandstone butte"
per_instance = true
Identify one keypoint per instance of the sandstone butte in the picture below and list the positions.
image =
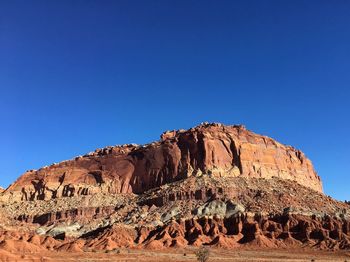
(214, 185)
(214, 149)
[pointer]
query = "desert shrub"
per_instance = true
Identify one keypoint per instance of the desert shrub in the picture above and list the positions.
(202, 254)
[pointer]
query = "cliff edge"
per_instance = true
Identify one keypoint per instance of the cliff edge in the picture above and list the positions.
(210, 149)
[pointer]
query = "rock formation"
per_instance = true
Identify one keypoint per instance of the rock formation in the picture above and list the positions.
(213, 149)
(215, 185)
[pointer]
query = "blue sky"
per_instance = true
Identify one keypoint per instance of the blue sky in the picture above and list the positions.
(79, 75)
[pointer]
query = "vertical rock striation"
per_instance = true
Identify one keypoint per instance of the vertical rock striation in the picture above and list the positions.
(210, 149)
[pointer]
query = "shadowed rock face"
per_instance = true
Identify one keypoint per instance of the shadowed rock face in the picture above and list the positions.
(280, 230)
(240, 230)
(212, 149)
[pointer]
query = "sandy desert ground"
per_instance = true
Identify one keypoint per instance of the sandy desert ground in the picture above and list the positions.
(182, 255)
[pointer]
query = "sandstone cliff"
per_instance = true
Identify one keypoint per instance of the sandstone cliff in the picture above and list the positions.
(213, 185)
(211, 149)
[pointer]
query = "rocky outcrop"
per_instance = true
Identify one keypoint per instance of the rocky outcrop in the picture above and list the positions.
(219, 208)
(260, 213)
(214, 185)
(81, 213)
(194, 196)
(211, 149)
(280, 230)
(239, 230)
(242, 229)
(203, 194)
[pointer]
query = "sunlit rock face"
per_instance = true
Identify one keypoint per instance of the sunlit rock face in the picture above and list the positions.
(208, 149)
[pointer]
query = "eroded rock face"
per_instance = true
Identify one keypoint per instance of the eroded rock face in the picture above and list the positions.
(273, 213)
(212, 149)
(219, 208)
(252, 230)
(256, 230)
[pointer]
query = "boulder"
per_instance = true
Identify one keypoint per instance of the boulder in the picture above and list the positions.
(219, 208)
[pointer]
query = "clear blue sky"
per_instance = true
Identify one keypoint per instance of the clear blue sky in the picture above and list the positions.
(78, 75)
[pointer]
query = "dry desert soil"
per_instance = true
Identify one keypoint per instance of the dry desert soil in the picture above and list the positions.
(180, 255)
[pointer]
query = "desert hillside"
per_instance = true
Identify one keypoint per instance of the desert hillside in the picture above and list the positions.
(213, 185)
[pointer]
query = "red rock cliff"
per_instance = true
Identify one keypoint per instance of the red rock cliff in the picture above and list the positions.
(212, 149)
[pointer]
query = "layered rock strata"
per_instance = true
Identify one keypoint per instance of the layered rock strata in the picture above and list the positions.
(240, 230)
(212, 149)
(214, 185)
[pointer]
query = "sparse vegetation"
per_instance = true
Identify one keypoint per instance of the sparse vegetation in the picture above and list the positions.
(203, 254)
